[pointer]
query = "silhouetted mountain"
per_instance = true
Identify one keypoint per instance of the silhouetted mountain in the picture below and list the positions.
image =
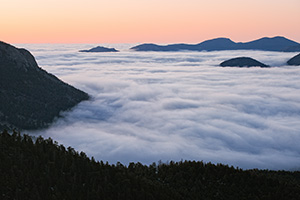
(100, 49)
(171, 47)
(31, 98)
(294, 60)
(264, 44)
(242, 62)
(293, 49)
(268, 44)
(216, 45)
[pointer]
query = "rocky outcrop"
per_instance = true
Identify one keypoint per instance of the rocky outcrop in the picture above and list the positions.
(30, 98)
(100, 49)
(264, 44)
(242, 62)
(294, 60)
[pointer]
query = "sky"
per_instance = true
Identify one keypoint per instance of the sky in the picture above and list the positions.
(138, 21)
(151, 106)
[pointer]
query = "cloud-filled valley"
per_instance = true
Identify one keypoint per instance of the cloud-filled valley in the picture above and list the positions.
(151, 106)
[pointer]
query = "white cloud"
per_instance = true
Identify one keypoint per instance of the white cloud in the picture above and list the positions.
(171, 106)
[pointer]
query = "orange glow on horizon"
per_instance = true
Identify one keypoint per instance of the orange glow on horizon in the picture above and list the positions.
(134, 21)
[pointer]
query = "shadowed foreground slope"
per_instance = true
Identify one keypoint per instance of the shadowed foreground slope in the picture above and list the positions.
(42, 169)
(31, 98)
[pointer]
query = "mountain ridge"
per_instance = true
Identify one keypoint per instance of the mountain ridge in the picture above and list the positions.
(277, 43)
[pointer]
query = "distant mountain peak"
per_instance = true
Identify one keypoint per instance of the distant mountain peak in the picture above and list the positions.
(279, 37)
(100, 49)
(277, 43)
(219, 39)
(273, 38)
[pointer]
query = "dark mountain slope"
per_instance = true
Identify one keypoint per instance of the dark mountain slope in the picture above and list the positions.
(30, 98)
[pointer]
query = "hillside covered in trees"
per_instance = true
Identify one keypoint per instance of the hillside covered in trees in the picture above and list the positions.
(37, 168)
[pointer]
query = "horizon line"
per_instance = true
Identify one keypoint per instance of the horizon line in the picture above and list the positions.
(151, 42)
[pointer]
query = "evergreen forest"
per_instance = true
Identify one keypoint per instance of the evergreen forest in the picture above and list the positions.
(38, 168)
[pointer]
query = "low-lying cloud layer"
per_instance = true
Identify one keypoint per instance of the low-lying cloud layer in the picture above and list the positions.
(167, 106)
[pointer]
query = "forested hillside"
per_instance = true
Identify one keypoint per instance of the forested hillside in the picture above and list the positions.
(41, 169)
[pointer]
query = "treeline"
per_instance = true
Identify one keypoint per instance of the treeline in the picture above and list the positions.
(41, 169)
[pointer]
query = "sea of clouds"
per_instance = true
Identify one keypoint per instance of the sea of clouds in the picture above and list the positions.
(151, 106)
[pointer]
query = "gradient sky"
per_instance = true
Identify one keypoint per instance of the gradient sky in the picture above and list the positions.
(134, 21)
